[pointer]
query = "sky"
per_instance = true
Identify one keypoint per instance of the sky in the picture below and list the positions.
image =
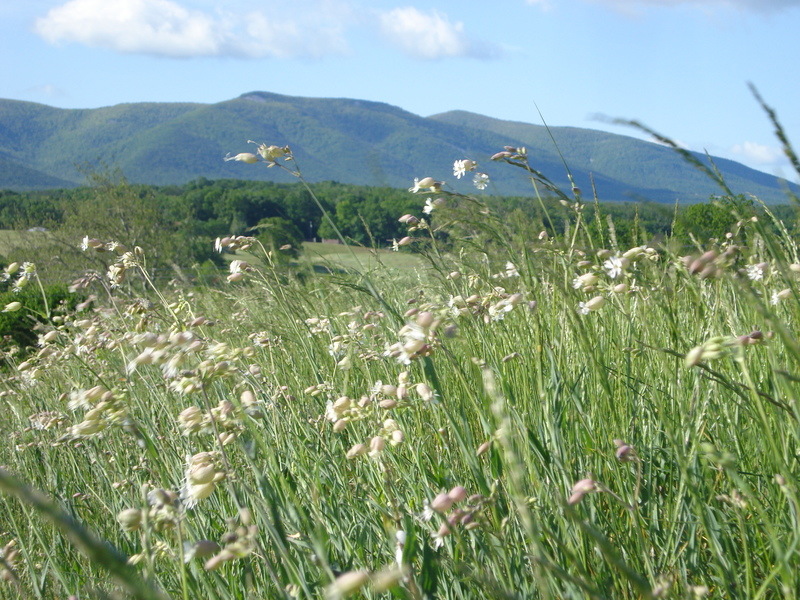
(681, 67)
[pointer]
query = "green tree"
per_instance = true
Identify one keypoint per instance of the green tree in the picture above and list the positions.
(703, 221)
(280, 236)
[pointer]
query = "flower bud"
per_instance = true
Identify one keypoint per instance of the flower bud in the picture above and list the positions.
(347, 584)
(442, 503)
(130, 519)
(457, 494)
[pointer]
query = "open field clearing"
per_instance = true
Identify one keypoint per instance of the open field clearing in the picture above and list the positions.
(355, 257)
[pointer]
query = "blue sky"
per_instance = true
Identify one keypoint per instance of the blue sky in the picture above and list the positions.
(679, 66)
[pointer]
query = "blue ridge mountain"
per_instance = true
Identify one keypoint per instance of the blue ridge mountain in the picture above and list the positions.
(345, 140)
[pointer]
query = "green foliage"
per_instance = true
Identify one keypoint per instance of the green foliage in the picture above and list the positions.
(712, 220)
(280, 236)
(18, 328)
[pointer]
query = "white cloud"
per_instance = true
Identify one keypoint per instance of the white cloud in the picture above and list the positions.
(431, 35)
(543, 4)
(46, 89)
(167, 28)
(757, 5)
(758, 154)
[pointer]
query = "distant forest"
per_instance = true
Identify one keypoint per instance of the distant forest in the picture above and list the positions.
(199, 211)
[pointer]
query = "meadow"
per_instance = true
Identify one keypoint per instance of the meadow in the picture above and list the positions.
(514, 414)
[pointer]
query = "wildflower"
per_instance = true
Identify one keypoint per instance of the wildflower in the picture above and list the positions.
(615, 266)
(511, 270)
(580, 489)
(756, 272)
(621, 288)
(239, 266)
(191, 420)
(431, 205)
(12, 307)
(587, 280)
(776, 296)
(357, 450)
(595, 303)
(130, 519)
(480, 181)
(425, 183)
(410, 219)
(425, 392)
(245, 157)
(457, 494)
(624, 452)
(709, 350)
(202, 477)
(442, 503)
(272, 153)
(460, 167)
(200, 549)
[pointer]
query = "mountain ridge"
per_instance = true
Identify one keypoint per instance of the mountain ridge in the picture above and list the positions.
(340, 139)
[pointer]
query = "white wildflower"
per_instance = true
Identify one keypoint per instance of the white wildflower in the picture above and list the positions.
(425, 183)
(460, 167)
(615, 266)
(480, 181)
(755, 272)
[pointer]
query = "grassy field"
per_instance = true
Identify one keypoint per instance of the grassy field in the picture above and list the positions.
(355, 257)
(525, 417)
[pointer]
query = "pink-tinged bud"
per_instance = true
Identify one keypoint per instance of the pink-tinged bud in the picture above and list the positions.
(409, 219)
(388, 403)
(340, 425)
(457, 494)
(410, 312)
(624, 452)
(425, 319)
(580, 489)
(501, 155)
(235, 277)
(405, 241)
(442, 503)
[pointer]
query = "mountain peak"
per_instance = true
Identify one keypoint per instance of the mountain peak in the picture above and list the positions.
(340, 139)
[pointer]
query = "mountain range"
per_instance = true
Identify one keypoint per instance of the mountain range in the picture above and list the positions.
(345, 140)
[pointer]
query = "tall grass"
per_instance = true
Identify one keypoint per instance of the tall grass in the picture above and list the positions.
(528, 416)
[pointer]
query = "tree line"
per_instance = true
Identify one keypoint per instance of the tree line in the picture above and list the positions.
(177, 223)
